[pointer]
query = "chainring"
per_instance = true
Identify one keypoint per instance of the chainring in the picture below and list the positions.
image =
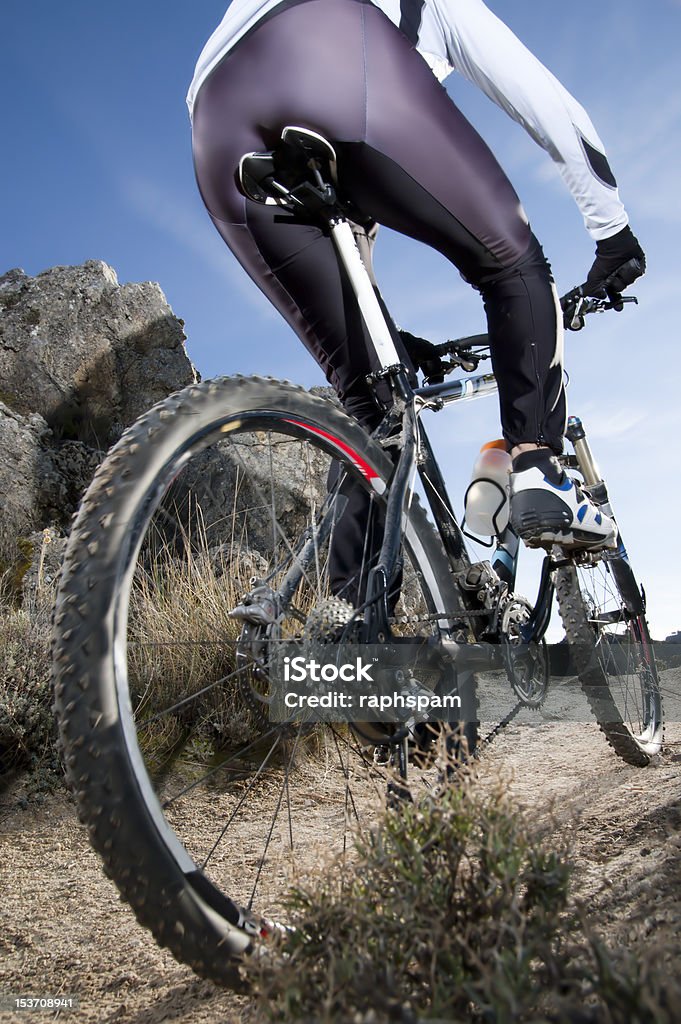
(527, 665)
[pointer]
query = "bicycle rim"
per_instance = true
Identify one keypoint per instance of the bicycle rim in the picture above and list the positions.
(604, 618)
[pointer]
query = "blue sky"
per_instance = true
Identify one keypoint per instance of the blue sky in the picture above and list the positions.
(97, 164)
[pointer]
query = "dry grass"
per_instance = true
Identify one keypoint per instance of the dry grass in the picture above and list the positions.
(181, 639)
(27, 734)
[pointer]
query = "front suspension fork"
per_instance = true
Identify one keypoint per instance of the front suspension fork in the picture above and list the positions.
(616, 560)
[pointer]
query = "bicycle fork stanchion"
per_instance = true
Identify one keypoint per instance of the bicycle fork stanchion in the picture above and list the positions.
(576, 435)
(617, 560)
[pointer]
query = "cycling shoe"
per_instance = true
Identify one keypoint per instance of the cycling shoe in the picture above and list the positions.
(547, 510)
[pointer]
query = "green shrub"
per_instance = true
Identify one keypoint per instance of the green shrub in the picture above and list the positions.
(453, 909)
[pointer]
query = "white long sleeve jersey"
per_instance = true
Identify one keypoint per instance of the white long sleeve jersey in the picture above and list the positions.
(465, 36)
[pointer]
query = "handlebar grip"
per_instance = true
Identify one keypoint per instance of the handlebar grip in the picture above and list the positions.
(472, 341)
(611, 287)
(625, 275)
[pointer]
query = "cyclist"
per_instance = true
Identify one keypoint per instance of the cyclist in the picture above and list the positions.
(366, 75)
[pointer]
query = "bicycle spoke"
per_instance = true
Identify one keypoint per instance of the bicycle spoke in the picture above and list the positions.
(145, 722)
(284, 787)
(241, 801)
(348, 791)
(220, 767)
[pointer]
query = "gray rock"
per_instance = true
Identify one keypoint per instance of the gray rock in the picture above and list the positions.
(228, 485)
(81, 357)
(87, 354)
(27, 474)
(40, 481)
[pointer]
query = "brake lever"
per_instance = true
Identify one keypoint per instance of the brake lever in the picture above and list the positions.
(617, 303)
(467, 363)
(576, 316)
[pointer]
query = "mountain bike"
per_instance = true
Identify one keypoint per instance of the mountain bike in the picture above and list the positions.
(201, 551)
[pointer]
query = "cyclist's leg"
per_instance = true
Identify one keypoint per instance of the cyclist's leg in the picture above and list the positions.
(424, 171)
(303, 65)
(290, 71)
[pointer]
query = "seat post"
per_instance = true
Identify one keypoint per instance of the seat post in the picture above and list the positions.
(346, 247)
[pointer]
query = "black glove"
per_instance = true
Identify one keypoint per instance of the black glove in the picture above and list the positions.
(424, 357)
(619, 261)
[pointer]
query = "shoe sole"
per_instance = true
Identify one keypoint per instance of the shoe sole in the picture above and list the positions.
(541, 519)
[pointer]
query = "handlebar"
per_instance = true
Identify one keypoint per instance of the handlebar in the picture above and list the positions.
(467, 353)
(577, 303)
(461, 349)
(576, 306)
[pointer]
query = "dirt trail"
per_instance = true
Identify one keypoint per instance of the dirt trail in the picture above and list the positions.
(64, 930)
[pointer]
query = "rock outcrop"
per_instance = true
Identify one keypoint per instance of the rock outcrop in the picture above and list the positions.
(41, 481)
(85, 353)
(81, 357)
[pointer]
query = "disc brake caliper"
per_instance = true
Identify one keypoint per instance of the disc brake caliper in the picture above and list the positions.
(258, 614)
(259, 606)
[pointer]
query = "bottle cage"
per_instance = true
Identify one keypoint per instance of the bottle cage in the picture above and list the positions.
(502, 501)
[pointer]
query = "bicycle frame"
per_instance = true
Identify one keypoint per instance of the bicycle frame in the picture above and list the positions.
(417, 454)
(416, 450)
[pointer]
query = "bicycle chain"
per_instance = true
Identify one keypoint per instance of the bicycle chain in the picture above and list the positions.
(412, 620)
(491, 736)
(498, 729)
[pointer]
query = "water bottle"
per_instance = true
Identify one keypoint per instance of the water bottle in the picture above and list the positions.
(486, 501)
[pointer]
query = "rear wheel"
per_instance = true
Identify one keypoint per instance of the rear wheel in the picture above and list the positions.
(201, 806)
(603, 612)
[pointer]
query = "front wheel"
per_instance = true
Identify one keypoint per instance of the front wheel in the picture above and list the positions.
(603, 612)
(214, 502)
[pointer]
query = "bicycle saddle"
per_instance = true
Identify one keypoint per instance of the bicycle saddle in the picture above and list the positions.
(302, 159)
